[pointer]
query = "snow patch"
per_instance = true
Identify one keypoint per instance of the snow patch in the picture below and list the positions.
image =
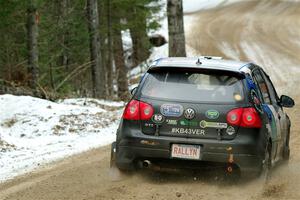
(190, 6)
(35, 131)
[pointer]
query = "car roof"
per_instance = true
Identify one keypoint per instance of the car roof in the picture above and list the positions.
(205, 62)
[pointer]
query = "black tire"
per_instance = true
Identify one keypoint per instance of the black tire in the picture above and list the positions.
(267, 164)
(286, 148)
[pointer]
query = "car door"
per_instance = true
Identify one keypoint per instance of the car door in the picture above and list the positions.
(281, 114)
(272, 110)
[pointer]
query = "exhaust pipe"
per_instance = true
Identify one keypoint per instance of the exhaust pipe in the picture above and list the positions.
(146, 163)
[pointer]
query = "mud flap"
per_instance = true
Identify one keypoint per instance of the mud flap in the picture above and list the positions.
(115, 174)
(113, 155)
(286, 154)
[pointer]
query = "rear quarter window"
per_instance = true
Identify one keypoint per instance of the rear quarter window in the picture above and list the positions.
(193, 86)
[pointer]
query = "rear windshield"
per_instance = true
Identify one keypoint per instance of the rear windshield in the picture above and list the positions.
(193, 86)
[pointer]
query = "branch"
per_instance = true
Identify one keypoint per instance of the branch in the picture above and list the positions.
(74, 72)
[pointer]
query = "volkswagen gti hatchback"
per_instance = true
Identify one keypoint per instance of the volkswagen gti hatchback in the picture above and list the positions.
(190, 111)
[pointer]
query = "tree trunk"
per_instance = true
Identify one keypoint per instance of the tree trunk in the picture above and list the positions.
(109, 69)
(64, 58)
(98, 73)
(176, 29)
(32, 45)
(121, 70)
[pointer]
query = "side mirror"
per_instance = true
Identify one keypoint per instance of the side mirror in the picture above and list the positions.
(286, 101)
(133, 91)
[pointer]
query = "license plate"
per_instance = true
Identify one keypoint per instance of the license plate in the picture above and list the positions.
(185, 151)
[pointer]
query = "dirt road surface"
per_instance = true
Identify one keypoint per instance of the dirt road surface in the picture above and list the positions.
(267, 33)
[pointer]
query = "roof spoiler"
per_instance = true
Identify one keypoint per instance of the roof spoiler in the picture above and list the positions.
(238, 74)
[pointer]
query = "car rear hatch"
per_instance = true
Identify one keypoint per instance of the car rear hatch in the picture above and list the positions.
(191, 103)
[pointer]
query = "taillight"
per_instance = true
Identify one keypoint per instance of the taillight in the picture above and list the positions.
(251, 118)
(132, 110)
(234, 116)
(137, 110)
(146, 111)
(244, 117)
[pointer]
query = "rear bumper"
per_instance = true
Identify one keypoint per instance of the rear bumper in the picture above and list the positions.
(244, 153)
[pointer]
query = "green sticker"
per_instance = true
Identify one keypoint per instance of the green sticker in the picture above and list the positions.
(171, 122)
(212, 114)
(188, 123)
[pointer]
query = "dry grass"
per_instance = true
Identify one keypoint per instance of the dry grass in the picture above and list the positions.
(9, 122)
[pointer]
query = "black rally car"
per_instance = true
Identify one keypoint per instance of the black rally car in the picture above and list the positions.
(188, 111)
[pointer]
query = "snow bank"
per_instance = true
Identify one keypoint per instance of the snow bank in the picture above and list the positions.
(190, 6)
(35, 131)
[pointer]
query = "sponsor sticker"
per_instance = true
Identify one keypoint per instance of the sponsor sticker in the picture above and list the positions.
(212, 114)
(250, 83)
(205, 124)
(230, 130)
(171, 122)
(189, 113)
(158, 118)
(171, 110)
(188, 131)
(188, 123)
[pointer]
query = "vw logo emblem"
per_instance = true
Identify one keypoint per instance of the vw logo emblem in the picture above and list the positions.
(189, 113)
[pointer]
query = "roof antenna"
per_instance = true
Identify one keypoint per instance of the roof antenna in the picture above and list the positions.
(198, 62)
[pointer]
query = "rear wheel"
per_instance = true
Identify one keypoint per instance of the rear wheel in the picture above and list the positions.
(286, 148)
(286, 153)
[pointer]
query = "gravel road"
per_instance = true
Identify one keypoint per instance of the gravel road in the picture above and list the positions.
(266, 32)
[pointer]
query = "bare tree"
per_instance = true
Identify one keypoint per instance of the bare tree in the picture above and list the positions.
(32, 44)
(98, 72)
(176, 29)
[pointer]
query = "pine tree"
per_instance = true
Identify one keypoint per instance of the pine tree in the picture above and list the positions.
(55, 54)
(32, 44)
